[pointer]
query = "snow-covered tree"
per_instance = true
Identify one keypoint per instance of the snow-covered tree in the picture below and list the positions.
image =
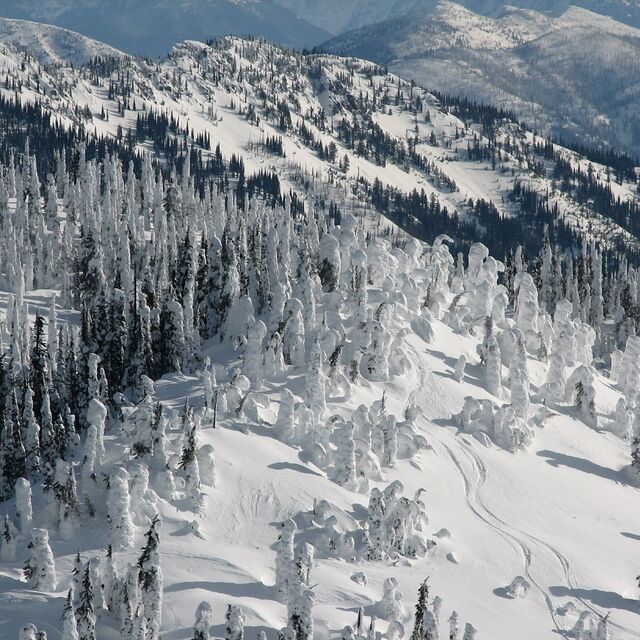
(285, 568)
(24, 510)
(469, 632)
(377, 528)
(121, 528)
(390, 607)
(85, 612)
(454, 626)
(151, 581)
(8, 539)
(203, 621)
(458, 373)
(253, 355)
(493, 362)
(418, 632)
(69, 624)
(315, 382)
(345, 462)
(40, 569)
(285, 421)
(235, 623)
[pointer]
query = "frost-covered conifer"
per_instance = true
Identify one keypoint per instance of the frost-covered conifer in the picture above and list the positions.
(330, 262)
(121, 528)
(301, 616)
(32, 437)
(390, 607)
(110, 582)
(203, 621)
(151, 581)
(345, 462)
(458, 373)
(454, 626)
(253, 355)
(189, 459)
(66, 494)
(24, 511)
(29, 632)
(293, 337)
(520, 392)
(581, 392)
(376, 364)
(69, 624)
(143, 499)
(96, 417)
(389, 429)
(8, 535)
(622, 422)
(602, 630)
(315, 382)
(285, 422)
(40, 568)
(493, 360)
(235, 623)
(285, 567)
(274, 357)
(420, 610)
(469, 632)
(85, 612)
(377, 528)
(207, 465)
(431, 626)
(96, 580)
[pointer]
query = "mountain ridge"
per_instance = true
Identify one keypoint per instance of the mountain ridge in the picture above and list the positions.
(539, 66)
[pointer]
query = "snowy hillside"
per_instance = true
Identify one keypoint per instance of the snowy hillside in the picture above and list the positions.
(557, 73)
(213, 313)
(51, 45)
(334, 127)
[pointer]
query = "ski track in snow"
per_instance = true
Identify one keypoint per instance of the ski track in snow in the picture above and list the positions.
(477, 505)
(564, 563)
(472, 486)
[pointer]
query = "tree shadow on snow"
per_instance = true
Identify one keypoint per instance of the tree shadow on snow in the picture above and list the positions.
(291, 466)
(255, 590)
(448, 360)
(603, 599)
(556, 459)
(502, 592)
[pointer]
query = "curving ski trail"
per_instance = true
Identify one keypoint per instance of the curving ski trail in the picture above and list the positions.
(553, 551)
(479, 509)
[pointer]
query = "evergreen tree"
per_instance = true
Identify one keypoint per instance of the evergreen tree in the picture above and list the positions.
(151, 581)
(85, 612)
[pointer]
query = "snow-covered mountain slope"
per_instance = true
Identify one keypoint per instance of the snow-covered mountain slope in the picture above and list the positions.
(241, 94)
(557, 73)
(307, 355)
(52, 45)
(483, 498)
